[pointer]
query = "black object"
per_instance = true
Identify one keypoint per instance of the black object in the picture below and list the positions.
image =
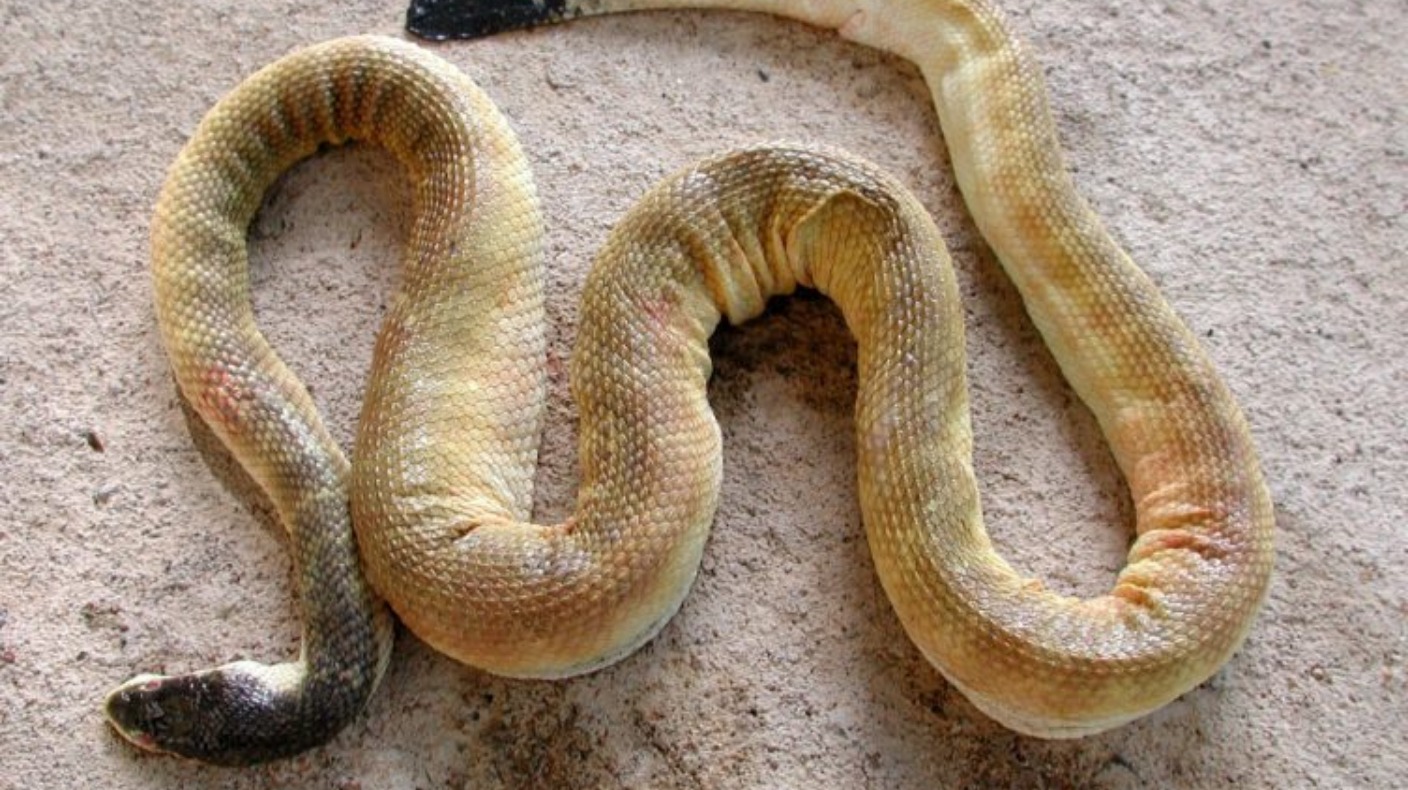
(438, 20)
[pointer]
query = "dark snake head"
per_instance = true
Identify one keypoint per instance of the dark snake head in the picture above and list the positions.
(210, 716)
(177, 715)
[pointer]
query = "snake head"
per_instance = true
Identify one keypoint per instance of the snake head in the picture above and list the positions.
(163, 714)
(208, 716)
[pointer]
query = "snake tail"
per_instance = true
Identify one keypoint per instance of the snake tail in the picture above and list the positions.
(439, 20)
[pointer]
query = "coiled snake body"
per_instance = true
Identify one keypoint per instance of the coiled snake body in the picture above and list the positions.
(439, 487)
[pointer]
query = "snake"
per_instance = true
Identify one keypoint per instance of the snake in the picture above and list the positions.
(428, 517)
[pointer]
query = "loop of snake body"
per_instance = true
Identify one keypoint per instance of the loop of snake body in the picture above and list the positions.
(439, 486)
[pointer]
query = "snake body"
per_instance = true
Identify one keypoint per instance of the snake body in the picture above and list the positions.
(439, 488)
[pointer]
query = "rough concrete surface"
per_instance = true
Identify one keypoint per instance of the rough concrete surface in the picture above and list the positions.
(1252, 156)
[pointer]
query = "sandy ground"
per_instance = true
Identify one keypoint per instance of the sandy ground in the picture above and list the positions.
(1250, 155)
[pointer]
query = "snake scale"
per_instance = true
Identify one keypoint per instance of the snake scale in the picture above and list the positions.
(438, 488)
